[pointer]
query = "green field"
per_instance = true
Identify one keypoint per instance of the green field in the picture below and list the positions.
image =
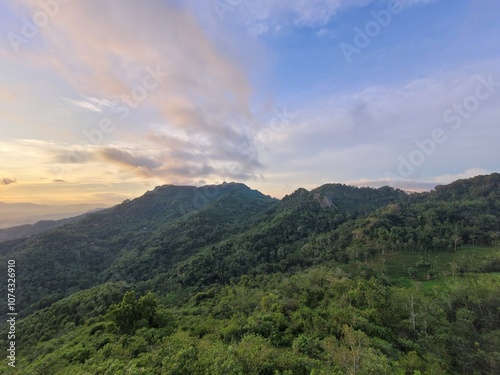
(405, 266)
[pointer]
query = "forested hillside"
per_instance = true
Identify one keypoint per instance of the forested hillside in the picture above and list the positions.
(27, 230)
(225, 280)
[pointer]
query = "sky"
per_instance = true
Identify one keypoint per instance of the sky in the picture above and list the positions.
(101, 101)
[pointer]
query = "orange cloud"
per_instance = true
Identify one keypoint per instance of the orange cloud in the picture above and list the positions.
(150, 55)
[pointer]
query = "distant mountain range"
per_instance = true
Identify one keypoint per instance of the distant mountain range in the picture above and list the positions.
(15, 214)
(27, 230)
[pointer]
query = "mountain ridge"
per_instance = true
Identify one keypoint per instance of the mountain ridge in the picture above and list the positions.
(165, 227)
(304, 275)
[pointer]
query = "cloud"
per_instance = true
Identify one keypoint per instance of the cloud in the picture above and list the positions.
(110, 196)
(70, 154)
(7, 96)
(425, 185)
(190, 170)
(384, 114)
(151, 58)
(197, 120)
(128, 159)
(268, 16)
(236, 147)
(84, 104)
(160, 157)
(51, 152)
(171, 158)
(364, 133)
(8, 181)
(90, 103)
(469, 173)
(264, 16)
(415, 186)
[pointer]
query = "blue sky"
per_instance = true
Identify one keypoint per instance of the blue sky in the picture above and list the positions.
(103, 100)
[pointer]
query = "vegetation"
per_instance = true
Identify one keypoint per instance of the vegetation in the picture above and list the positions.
(225, 280)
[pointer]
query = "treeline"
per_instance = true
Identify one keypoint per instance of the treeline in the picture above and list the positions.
(466, 212)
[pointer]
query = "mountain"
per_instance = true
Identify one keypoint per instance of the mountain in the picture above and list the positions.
(480, 187)
(27, 230)
(85, 253)
(297, 285)
(16, 214)
(465, 212)
(214, 234)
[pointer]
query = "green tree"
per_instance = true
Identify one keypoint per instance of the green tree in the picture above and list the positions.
(131, 313)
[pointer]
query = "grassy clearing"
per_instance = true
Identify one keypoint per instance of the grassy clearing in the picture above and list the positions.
(406, 266)
(443, 285)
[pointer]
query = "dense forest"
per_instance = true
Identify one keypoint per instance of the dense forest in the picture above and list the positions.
(222, 279)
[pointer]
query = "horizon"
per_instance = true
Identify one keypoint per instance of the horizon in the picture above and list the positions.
(58, 203)
(276, 95)
(32, 213)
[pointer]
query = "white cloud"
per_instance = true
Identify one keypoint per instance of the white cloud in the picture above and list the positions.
(469, 173)
(84, 104)
(91, 103)
(364, 133)
(156, 60)
(264, 16)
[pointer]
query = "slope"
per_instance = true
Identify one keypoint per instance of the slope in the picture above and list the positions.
(64, 260)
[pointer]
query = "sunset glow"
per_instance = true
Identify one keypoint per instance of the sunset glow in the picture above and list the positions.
(103, 100)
